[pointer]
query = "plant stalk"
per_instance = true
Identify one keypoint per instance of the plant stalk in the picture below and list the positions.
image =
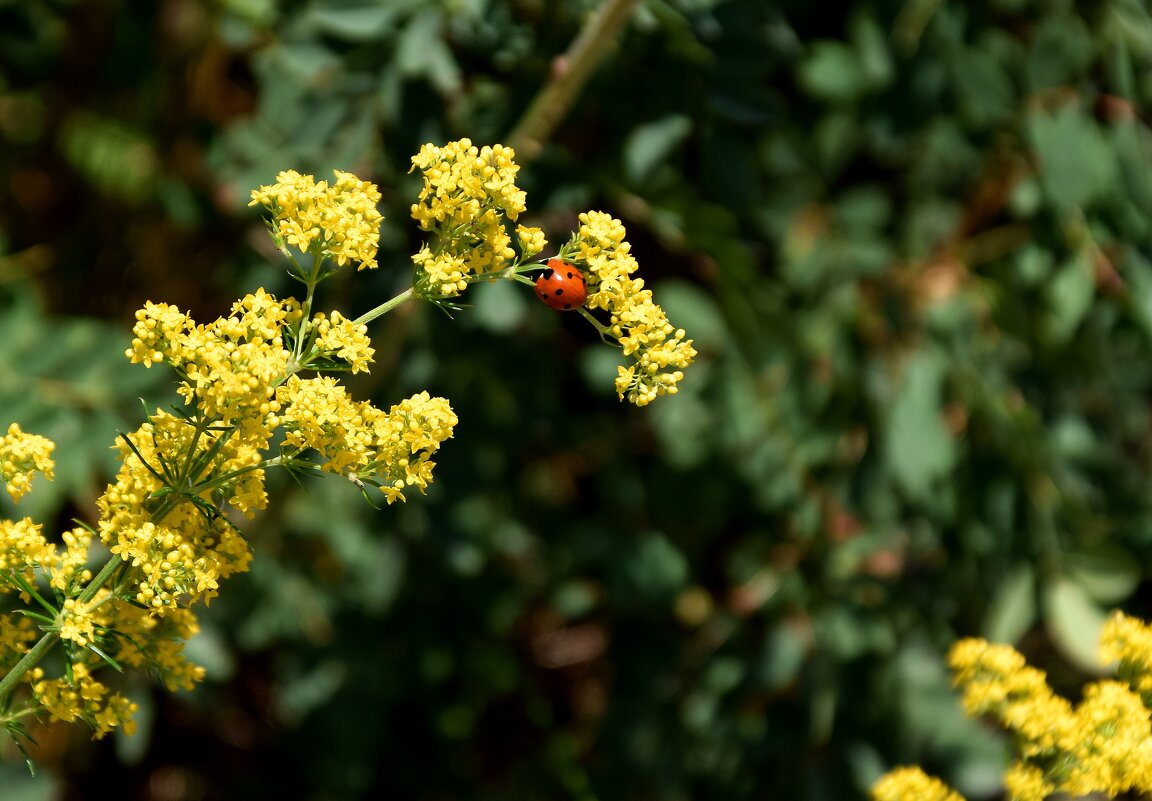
(569, 74)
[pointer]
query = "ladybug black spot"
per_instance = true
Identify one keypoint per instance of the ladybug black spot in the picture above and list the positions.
(559, 292)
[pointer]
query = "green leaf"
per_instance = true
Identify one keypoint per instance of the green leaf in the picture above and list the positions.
(1061, 49)
(422, 52)
(1107, 572)
(783, 656)
(651, 144)
(832, 72)
(1077, 166)
(1013, 608)
(919, 447)
(873, 51)
(355, 24)
(985, 94)
(655, 567)
(1074, 622)
(1070, 296)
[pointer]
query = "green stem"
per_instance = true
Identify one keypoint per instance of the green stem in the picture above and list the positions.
(305, 322)
(224, 478)
(29, 661)
(569, 74)
(384, 307)
(101, 578)
(603, 329)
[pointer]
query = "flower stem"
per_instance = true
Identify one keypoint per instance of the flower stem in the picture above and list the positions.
(101, 578)
(384, 307)
(29, 661)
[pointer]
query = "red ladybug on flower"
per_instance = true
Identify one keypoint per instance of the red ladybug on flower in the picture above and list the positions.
(561, 285)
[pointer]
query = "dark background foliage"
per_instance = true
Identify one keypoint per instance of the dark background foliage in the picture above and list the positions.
(912, 240)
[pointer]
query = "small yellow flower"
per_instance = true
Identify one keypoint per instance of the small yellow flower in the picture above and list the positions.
(531, 240)
(21, 456)
(159, 330)
(70, 564)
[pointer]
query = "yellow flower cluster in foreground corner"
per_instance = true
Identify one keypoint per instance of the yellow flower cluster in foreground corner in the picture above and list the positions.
(340, 220)
(21, 456)
(1128, 642)
(637, 322)
(468, 193)
(1103, 744)
(912, 784)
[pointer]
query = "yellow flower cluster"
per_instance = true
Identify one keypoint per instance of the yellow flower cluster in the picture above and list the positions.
(22, 455)
(229, 367)
(356, 439)
(70, 565)
(75, 623)
(126, 633)
(182, 559)
(166, 516)
(338, 220)
(912, 784)
(156, 643)
(339, 337)
(1104, 744)
(1128, 642)
(531, 240)
(80, 697)
(637, 322)
(467, 195)
(16, 635)
(408, 435)
(24, 549)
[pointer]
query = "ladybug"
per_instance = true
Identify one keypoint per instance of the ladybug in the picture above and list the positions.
(561, 285)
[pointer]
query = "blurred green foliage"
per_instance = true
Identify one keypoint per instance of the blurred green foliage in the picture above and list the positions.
(913, 242)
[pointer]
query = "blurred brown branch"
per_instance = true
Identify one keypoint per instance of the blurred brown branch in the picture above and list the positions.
(569, 74)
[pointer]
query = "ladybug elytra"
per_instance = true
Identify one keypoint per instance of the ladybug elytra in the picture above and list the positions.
(561, 285)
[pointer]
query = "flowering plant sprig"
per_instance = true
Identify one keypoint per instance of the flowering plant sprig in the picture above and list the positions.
(169, 519)
(468, 199)
(1103, 744)
(256, 397)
